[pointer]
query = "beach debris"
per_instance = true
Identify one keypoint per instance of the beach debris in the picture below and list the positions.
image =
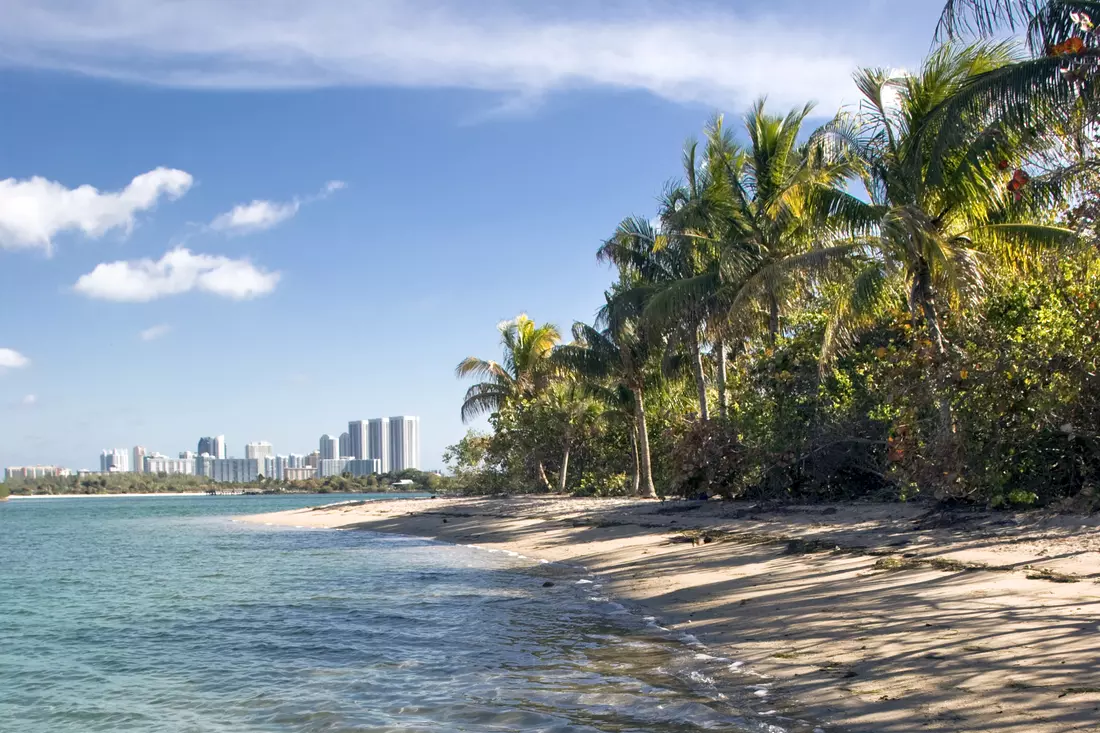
(548, 584)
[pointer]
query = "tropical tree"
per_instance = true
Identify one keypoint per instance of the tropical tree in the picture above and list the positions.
(523, 373)
(578, 415)
(944, 215)
(617, 350)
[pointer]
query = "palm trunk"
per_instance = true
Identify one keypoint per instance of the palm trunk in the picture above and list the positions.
(721, 346)
(542, 477)
(564, 468)
(634, 456)
(924, 298)
(773, 320)
(646, 470)
(700, 378)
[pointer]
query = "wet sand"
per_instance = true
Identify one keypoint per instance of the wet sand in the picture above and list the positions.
(884, 618)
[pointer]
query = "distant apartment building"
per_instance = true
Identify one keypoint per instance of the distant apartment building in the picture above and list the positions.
(281, 464)
(363, 467)
(206, 445)
(378, 443)
(236, 470)
(269, 467)
(295, 460)
(114, 461)
(34, 472)
(332, 467)
(300, 474)
(330, 447)
(204, 465)
(313, 459)
(139, 459)
(158, 464)
(187, 454)
(259, 450)
(345, 446)
(357, 438)
(220, 448)
(404, 443)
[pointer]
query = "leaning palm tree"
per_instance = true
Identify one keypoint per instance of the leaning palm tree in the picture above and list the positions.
(522, 374)
(944, 215)
(617, 350)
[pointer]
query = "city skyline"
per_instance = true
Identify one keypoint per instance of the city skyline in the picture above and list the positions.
(397, 448)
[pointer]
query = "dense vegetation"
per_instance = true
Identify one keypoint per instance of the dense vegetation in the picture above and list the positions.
(901, 302)
(145, 483)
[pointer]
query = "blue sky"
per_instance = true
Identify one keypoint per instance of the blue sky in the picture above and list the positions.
(301, 214)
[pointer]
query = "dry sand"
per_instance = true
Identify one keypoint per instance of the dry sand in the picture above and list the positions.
(870, 618)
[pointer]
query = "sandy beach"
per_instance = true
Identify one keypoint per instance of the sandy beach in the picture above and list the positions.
(885, 618)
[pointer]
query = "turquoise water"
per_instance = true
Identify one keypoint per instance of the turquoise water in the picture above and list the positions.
(162, 614)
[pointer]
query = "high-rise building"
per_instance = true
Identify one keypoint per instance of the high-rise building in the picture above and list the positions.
(357, 438)
(378, 444)
(295, 460)
(114, 461)
(269, 469)
(300, 474)
(157, 464)
(313, 459)
(364, 467)
(220, 450)
(259, 450)
(189, 454)
(330, 447)
(204, 465)
(345, 445)
(404, 443)
(206, 445)
(139, 459)
(332, 466)
(236, 470)
(281, 464)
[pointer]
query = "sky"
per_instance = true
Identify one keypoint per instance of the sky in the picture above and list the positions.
(265, 219)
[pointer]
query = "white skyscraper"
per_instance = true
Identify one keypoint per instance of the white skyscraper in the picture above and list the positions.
(269, 468)
(139, 459)
(345, 445)
(259, 451)
(157, 463)
(378, 444)
(114, 461)
(281, 463)
(294, 460)
(330, 447)
(219, 447)
(357, 437)
(237, 470)
(404, 443)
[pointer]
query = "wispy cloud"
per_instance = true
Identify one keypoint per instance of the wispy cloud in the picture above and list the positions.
(12, 359)
(260, 214)
(34, 210)
(155, 332)
(714, 56)
(29, 400)
(178, 271)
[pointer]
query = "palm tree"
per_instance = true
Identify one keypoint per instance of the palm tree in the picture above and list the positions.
(578, 412)
(617, 350)
(523, 374)
(941, 215)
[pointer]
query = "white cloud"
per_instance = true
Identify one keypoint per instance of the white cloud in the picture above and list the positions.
(254, 217)
(178, 271)
(259, 215)
(34, 210)
(29, 400)
(155, 332)
(12, 359)
(791, 50)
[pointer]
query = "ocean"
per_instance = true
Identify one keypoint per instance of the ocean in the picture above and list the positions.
(163, 614)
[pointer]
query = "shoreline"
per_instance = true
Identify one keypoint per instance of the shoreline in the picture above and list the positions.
(871, 618)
